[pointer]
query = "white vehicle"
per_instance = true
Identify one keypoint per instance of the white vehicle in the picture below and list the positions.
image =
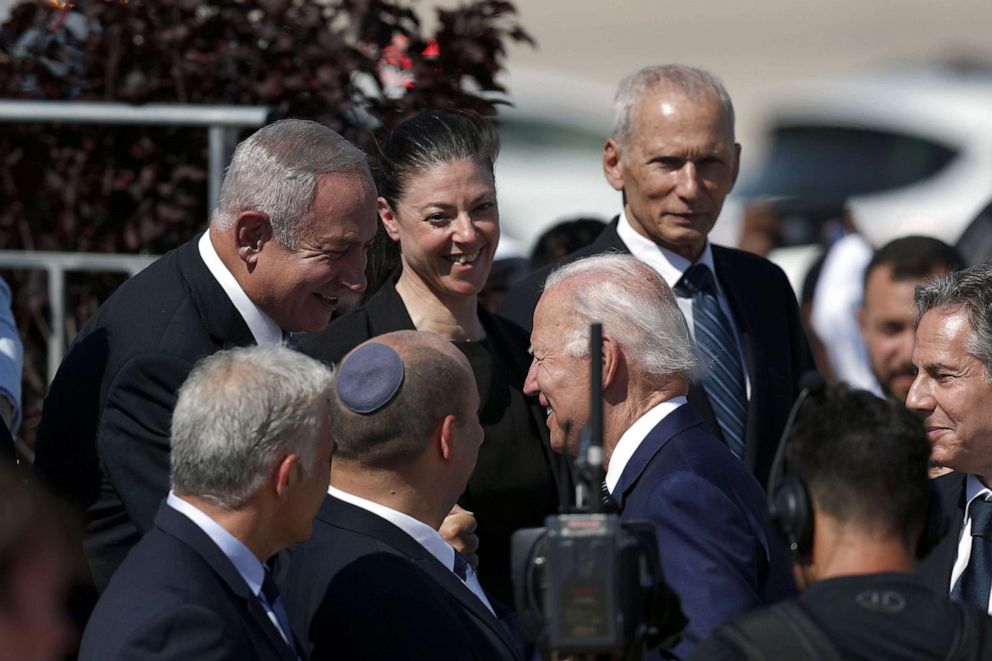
(910, 150)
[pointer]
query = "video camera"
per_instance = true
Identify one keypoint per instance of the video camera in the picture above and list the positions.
(587, 584)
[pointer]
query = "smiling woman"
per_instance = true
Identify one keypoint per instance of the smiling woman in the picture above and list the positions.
(438, 202)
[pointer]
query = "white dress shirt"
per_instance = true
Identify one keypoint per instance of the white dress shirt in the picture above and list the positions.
(422, 533)
(632, 438)
(973, 489)
(261, 325)
(671, 266)
(248, 565)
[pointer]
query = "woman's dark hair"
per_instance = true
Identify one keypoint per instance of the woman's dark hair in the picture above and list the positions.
(429, 139)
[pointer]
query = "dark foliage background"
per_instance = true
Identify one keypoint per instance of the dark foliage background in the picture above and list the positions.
(358, 66)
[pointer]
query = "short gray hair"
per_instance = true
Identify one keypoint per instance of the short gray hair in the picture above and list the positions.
(434, 385)
(275, 171)
(238, 413)
(636, 308)
(969, 290)
(693, 82)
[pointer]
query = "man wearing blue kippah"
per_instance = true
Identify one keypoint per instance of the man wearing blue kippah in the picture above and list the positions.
(377, 580)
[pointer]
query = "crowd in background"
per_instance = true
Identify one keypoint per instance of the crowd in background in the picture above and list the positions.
(271, 461)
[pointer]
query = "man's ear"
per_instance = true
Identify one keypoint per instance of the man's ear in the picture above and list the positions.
(388, 217)
(286, 474)
(612, 358)
(446, 433)
(613, 164)
(252, 230)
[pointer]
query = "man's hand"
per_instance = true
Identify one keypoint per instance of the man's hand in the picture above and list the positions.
(458, 529)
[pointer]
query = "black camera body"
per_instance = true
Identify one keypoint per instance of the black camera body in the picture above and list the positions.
(587, 584)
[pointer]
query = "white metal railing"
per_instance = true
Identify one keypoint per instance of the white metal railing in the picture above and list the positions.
(56, 264)
(222, 123)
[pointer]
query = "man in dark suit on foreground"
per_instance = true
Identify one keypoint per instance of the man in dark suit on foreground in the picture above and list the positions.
(376, 580)
(673, 157)
(664, 465)
(285, 247)
(251, 453)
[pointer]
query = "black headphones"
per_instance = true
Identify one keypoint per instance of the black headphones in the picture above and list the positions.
(790, 510)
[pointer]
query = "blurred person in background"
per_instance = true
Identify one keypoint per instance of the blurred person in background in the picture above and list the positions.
(11, 363)
(438, 202)
(864, 512)
(951, 394)
(36, 567)
(251, 460)
(285, 247)
(564, 238)
(887, 316)
(674, 159)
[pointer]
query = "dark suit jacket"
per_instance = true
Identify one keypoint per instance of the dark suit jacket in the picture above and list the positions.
(361, 589)
(708, 511)
(104, 434)
(935, 569)
(767, 318)
(177, 596)
(385, 312)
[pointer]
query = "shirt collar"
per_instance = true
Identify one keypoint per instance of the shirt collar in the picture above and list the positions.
(261, 325)
(974, 489)
(249, 566)
(669, 265)
(422, 533)
(631, 439)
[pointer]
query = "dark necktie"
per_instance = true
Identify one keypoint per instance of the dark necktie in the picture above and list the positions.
(724, 378)
(976, 581)
(461, 566)
(609, 504)
(271, 592)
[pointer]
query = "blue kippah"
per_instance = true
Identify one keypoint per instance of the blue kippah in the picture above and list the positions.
(370, 377)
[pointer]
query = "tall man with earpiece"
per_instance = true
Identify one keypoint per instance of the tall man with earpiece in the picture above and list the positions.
(856, 508)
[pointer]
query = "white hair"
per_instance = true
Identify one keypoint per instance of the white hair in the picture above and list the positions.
(636, 308)
(275, 171)
(693, 82)
(238, 412)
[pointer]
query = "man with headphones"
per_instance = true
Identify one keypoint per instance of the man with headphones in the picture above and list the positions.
(856, 510)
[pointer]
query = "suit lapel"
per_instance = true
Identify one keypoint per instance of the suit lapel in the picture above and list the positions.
(338, 513)
(177, 525)
(936, 568)
(608, 240)
(221, 319)
(676, 422)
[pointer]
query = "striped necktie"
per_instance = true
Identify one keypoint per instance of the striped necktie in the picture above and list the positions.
(724, 379)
